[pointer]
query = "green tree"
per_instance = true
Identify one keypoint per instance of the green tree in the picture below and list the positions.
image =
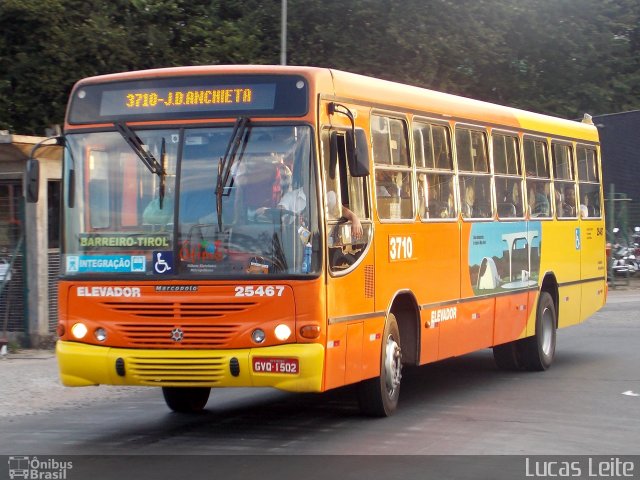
(561, 57)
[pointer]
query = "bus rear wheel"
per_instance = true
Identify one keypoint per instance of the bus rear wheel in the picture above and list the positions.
(378, 397)
(186, 399)
(507, 356)
(537, 352)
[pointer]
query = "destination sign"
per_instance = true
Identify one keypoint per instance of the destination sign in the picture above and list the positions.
(198, 98)
(210, 96)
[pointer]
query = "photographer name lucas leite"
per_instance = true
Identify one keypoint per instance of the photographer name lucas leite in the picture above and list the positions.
(613, 467)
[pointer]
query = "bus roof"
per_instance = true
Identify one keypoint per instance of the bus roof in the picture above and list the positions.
(383, 94)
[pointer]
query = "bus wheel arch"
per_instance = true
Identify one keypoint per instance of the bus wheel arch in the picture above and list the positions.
(405, 308)
(550, 285)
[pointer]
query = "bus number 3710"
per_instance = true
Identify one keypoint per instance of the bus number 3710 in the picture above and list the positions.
(400, 248)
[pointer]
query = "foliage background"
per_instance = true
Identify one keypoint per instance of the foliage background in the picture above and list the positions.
(561, 57)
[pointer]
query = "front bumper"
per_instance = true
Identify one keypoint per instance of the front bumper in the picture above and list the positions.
(82, 365)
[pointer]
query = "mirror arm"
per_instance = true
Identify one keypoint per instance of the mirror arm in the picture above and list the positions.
(339, 108)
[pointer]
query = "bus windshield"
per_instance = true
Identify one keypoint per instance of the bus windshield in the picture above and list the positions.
(260, 220)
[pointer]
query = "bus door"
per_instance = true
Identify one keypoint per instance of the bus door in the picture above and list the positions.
(351, 356)
(592, 234)
(562, 237)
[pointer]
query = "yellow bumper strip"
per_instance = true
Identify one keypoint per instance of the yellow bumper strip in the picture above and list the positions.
(82, 365)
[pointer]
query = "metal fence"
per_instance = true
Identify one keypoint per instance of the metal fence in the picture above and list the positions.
(622, 212)
(12, 267)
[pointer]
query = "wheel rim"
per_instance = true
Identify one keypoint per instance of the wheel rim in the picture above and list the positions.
(547, 332)
(392, 366)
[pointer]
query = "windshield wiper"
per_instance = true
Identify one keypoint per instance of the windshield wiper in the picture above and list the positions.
(163, 175)
(145, 155)
(226, 162)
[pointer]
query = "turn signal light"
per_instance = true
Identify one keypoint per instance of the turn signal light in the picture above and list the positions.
(61, 330)
(310, 331)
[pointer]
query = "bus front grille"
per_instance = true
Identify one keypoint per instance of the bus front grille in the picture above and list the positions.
(178, 310)
(191, 335)
(176, 372)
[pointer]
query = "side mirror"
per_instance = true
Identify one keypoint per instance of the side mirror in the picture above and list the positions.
(32, 179)
(358, 153)
(32, 169)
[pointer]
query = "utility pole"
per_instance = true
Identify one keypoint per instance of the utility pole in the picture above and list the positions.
(283, 34)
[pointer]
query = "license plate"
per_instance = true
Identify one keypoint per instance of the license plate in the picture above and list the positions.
(276, 365)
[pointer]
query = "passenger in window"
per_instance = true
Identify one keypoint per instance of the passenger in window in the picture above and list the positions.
(450, 210)
(509, 202)
(424, 206)
(569, 203)
(515, 198)
(538, 202)
(468, 201)
(584, 207)
(442, 157)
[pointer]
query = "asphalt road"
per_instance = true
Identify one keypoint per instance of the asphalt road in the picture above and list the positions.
(586, 404)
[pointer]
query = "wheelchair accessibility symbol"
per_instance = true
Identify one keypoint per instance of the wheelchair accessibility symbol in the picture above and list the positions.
(163, 263)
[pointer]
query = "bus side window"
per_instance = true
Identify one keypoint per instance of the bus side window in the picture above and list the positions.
(435, 176)
(588, 183)
(394, 198)
(538, 185)
(475, 181)
(508, 180)
(343, 190)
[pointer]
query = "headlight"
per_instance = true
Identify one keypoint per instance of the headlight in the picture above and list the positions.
(283, 332)
(79, 330)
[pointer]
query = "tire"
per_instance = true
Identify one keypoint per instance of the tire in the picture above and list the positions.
(507, 356)
(186, 399)
(378, 397)
(537, 352)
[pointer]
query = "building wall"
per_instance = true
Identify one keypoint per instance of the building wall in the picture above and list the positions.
(620, 145)
(34, 330)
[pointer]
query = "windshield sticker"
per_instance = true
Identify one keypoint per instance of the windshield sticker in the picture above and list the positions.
(163, 263)
(258, 265)
(202, 251)
(89, 241)
(105, 263)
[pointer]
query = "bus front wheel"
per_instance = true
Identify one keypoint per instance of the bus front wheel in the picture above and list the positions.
(378, 397)
(186, 399)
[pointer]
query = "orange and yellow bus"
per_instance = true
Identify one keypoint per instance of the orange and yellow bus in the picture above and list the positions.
(306, 228)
